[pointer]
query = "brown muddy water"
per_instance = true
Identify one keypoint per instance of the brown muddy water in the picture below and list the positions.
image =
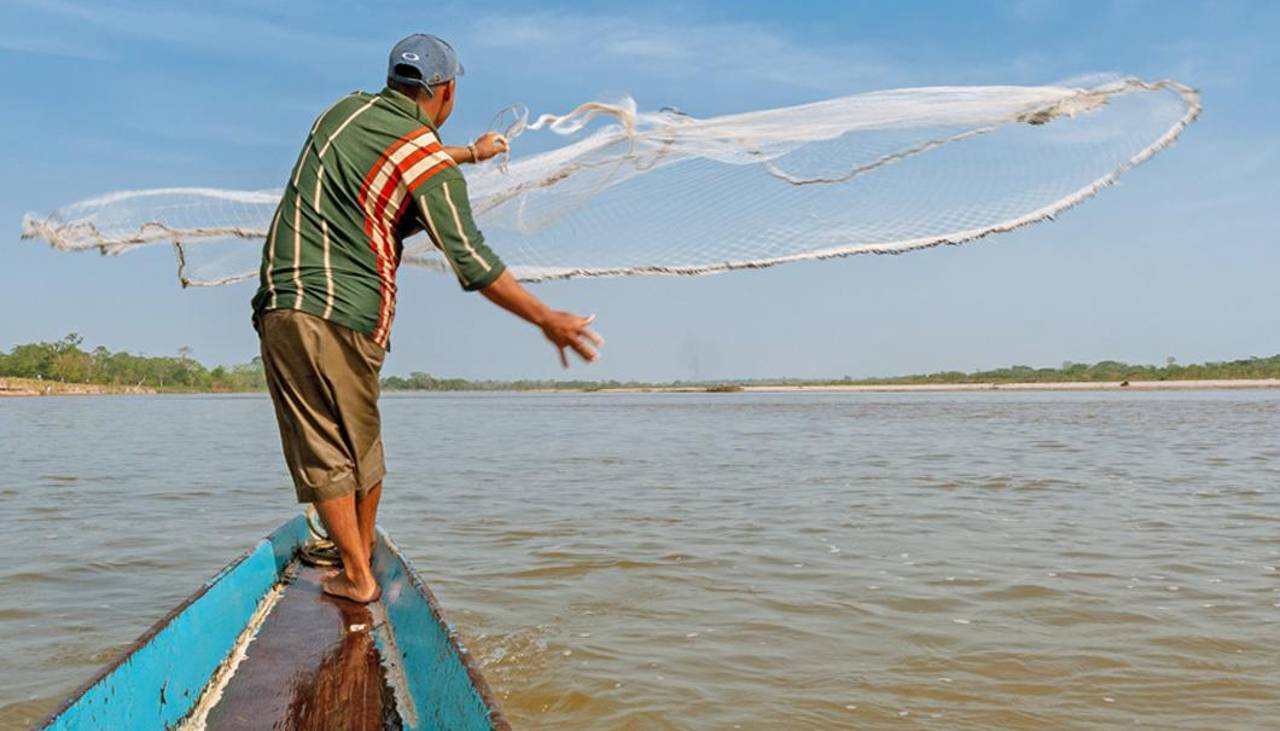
(715, 561)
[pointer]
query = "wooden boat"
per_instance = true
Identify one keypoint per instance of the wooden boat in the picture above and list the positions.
(261, 647)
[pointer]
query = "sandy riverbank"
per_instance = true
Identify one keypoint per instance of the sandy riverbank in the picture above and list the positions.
(37, 387)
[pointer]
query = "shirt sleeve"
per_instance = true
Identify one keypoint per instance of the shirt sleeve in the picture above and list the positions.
(446, 215)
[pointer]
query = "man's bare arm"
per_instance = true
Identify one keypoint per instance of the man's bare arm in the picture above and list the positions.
(563, 329)
(486, 146)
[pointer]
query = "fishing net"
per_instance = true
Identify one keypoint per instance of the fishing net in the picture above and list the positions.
(625, 192)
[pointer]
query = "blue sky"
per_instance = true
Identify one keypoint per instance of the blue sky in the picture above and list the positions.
(1179, 259)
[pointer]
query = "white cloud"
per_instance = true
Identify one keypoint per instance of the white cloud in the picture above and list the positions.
(228, 34)
(727, 51)
(47, 45)
(652, 48)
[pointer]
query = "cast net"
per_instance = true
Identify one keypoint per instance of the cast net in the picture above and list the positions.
(624, 192)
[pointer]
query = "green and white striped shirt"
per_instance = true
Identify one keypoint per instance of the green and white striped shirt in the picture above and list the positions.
(371, 173)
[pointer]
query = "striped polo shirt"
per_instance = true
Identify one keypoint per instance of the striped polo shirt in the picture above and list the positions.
(371, 173)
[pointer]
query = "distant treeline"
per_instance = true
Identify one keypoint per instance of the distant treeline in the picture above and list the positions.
(1102, 371)
(65, 361)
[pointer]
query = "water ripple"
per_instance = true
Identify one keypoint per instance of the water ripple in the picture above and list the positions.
(686, 561)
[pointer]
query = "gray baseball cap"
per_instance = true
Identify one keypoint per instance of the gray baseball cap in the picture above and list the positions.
(423, 60)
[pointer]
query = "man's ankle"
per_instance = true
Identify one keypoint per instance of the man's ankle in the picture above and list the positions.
(363, 578)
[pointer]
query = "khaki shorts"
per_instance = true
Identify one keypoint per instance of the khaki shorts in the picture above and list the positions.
(323, 379)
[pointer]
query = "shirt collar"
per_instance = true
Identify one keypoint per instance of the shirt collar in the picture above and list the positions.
(408, 106)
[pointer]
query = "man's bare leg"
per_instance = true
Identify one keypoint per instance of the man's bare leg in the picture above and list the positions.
(367, 514)
(356, 581)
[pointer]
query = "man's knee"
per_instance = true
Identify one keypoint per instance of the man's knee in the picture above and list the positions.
(371, 491)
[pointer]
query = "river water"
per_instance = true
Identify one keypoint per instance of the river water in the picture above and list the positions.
(715, 561)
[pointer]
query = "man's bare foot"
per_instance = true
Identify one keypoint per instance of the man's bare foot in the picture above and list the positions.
(341, 585)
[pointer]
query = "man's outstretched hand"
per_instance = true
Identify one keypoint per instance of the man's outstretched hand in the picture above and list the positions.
(563, 329)
(567, 330)
(489, 144)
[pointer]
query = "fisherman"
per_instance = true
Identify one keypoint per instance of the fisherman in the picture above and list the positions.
(372, 172)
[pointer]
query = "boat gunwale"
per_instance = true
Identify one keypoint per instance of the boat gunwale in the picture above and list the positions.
(155, 629)
(497, 719)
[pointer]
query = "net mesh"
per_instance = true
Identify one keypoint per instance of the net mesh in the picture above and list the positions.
(630, 192)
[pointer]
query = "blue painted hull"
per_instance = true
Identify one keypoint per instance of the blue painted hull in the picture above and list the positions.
(178, 669)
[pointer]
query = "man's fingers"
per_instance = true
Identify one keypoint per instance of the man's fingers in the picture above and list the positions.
(583, 350)
(572, 332)
(584, 331)
(498, 141)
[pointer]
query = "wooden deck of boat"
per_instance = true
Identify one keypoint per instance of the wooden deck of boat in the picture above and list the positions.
(313, 665)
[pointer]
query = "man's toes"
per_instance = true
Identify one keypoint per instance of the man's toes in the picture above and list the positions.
(341, 586)
(338, 585)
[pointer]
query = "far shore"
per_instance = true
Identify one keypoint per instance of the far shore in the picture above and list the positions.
(36, 387)
(1222, 384)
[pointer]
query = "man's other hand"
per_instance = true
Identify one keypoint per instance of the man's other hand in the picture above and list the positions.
(567, 330)
(563, 329)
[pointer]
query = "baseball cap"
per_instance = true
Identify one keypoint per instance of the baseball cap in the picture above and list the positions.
(423, 60)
